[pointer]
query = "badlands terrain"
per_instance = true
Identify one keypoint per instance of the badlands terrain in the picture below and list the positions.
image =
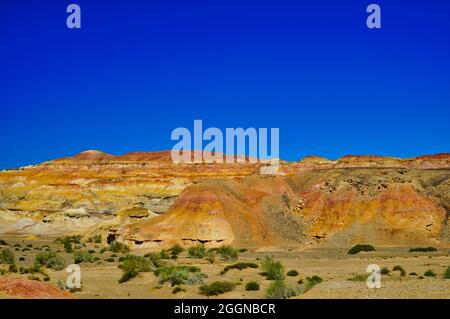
(167, 230)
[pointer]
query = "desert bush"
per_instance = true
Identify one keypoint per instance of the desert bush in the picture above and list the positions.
(413, 274)
(227, 253)
(175, 250)
(422, 249)
(197, 251)
(252, 286)
(178, 275)
(240, 266)
(384, 271)
(12, 268)
(312, 281)
(273, 270)
(216, 288)
(292, 273)
(49, 259)
(178, 289)
(7, 257)
(400, 269)
(447, 273)
(68, 241)
(242, 250)
(118, 247)
(46, 278)
(279, 290)
(132, 265)
(429, 273)
(83, 256)
(3, 243)
(110, 259)
(164, 254)
(97, 239)
(359, 277)
(360, 247)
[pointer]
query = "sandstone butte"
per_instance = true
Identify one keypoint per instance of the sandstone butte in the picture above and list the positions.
(146, 200)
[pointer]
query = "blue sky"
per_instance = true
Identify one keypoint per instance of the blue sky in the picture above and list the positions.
(138, 69)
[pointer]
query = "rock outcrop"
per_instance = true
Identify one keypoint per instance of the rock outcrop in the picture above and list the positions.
(147, 200)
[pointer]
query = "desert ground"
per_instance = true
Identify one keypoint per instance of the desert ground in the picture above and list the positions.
(334, 266)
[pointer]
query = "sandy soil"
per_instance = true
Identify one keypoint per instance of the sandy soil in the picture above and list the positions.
(334, 266)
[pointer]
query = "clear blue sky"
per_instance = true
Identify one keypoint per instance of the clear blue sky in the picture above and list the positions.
(138, 69)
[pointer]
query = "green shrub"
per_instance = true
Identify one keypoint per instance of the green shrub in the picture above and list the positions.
(83, 256)
(178, 289)
(429, 273)
(359, 277)
(197, 251)
(178, 275)
(118, 247)
(7, 257)
(12, 268)
(312, 281)
(227, 253)
(46, 278)
(422, 249)
(292, 273)
(447, 273)
(68, 241)
(3, 243)
(252, 286)
(400, 269)
(279, 290)
(240, 266)
(242, 250)
(49, 259)
(97, 239)
(164, 254)
(175, 250)
(132, 265)
(384, 271)
(273, 270)
(361, 247)
(216, 288)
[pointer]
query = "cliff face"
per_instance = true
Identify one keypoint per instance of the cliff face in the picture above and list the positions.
(146, 200)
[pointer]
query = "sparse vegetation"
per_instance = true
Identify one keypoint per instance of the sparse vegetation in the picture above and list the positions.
(97, 239)
(359, 248)
(447, 273)
(312, 281)
(217, 288)
(279, 290)
(118, 247)
(133, 265)
(385, 271)
(83, 256)
(49, 259)
(227, 253)
(292, 273)
(3, 243)
(273, 270)
(422, 249)
(67, 242)
(178, 275)
(429, 273)
(178, 289)
(240, 266)
(359, 277)
(400, 269)
(197, 251)
(7, 257)
(175, 250)
(252, 286)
